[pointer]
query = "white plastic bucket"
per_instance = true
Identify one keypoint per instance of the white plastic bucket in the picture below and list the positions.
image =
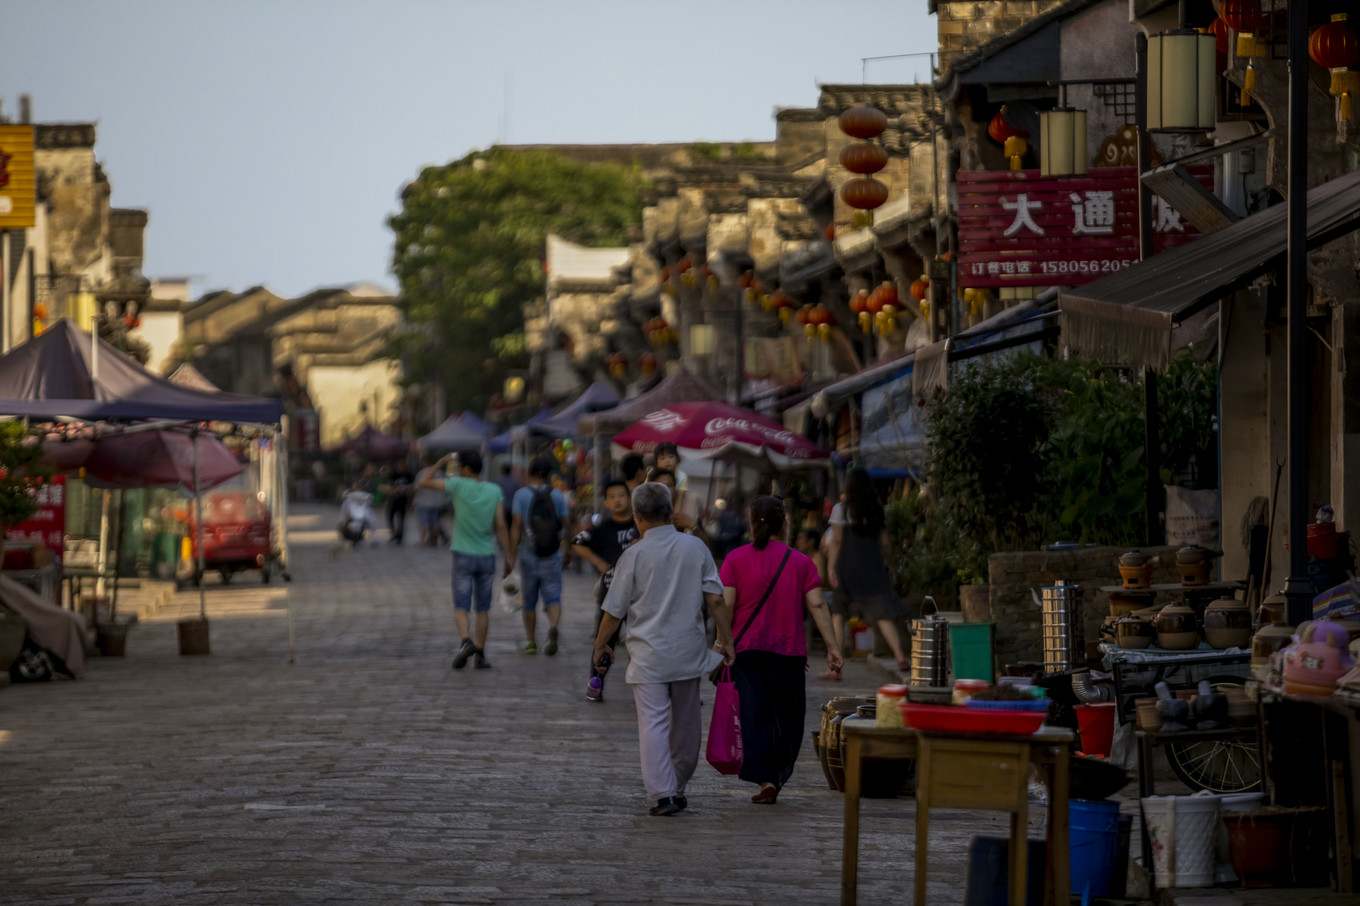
(1183, 830)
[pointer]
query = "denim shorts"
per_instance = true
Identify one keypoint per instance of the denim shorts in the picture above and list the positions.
(428, 516)
(472, 578)
(541, 576)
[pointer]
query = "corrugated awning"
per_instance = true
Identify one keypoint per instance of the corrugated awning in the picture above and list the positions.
(1127, 317)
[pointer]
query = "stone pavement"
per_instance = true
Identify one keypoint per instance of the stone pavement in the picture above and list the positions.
(367, 771)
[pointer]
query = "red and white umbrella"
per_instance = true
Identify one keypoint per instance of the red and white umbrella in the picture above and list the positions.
(715, 430)
(160, 459)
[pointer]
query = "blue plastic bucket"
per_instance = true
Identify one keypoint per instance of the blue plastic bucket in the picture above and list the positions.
(1092, 838)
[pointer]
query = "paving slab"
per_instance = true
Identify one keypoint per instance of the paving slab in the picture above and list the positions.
(365, 770)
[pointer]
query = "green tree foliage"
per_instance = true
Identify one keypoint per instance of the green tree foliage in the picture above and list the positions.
(20, 464)
(1028, 449)
(468, 253)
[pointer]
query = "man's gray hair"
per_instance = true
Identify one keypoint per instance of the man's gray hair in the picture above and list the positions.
(652, 501)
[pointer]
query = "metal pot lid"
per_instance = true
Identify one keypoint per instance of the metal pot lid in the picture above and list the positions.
(1134, 558)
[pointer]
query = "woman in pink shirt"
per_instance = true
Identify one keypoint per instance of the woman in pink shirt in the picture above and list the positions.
(767, 584)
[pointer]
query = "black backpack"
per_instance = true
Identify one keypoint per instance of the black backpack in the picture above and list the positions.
(545, 528)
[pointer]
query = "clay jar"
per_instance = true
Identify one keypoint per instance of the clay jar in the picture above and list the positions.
(1268, 640)
(1227, 624)
(1194, 564)
(1272, 610)
(1177, 628)
(1134, 632)
(1135, 568)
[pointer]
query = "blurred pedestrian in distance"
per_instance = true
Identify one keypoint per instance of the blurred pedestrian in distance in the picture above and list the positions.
(479, 522)
(603, 540)
(680, 519)
(858, 561)
(508, 485)
(668, 458)
(810, 544)
(399, 489)
(430, 504)
(537, 526)
(766, 585)
(634, 471)
(660, 585)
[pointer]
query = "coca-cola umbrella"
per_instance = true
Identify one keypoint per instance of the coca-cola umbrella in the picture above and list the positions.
(717, 430)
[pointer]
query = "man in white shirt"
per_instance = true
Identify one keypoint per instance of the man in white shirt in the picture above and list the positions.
(660, 586)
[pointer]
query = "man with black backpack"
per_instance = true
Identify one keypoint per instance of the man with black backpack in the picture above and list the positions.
(538, 516)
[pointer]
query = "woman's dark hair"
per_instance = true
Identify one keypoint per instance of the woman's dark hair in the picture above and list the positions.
(632, 464)
(863, 511)
(767, 520)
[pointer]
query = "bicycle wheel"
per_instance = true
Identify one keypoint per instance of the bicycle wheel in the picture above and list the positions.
(1219, 766)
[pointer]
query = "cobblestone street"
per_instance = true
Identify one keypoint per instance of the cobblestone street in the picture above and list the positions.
(368, 771)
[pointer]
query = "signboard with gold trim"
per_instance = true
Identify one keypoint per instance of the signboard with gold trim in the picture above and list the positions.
(18, 182)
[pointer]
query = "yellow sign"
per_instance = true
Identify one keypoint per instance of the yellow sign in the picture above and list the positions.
(18, 181)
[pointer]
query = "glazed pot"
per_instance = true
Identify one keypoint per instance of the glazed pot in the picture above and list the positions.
(1196, 573)
(1196, 554)
(1227, 624)
(1177, 628)
(1135, 558)
(1123, 602)
(1134, 632)
(1268, 640)
(1272, 610)
(1135, 568)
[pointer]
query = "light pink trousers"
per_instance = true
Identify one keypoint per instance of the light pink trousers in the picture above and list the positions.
(670, 723)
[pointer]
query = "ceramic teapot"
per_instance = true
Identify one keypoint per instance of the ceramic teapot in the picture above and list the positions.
(1227, 624)
(1177, 628)
(1134, 632)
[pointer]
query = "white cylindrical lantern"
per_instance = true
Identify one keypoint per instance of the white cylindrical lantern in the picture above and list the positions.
(702, 339)
(1180, 84)
(1062, 142)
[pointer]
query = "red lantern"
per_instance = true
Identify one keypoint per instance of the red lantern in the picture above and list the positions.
(1219, 29)
(829, 232)
(864, 193)
(863, 158)
(1334, 45)
(647, 363)
(874, 303)
(887, 292)
(1242, 16)
(860, 301)
(683, 265)
(863, 122)
(919, 287)
(1000, 130)
(665, 275)
(820, 315)
(746, 279)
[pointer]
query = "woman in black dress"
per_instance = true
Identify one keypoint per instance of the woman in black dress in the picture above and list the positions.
(858, 560)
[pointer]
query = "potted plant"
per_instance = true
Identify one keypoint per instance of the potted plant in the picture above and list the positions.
(20, 465)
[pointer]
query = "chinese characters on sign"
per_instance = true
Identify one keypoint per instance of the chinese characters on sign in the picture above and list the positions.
(1018, 228)
(18, 184)
(48, 524)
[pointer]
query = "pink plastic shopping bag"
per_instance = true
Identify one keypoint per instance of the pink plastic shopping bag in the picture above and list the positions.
(724, 732)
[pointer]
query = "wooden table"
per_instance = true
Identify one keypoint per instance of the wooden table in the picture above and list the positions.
(968, 772)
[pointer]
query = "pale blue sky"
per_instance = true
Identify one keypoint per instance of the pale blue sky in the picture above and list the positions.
(269, 138)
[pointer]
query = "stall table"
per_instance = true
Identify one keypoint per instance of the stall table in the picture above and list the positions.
(966, 771)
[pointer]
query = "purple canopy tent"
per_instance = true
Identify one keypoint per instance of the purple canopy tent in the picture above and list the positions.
(371, 443)
(63, 374)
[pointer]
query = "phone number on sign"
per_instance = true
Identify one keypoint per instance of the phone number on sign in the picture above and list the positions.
(1089, 266)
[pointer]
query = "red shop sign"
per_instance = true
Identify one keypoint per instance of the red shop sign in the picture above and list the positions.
(1018, 228)
(48, 524)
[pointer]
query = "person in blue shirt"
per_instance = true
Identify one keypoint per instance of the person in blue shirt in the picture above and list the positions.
(538, 539)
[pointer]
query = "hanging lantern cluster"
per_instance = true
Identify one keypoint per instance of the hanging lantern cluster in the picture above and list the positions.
(647, 363)
(817, 321)
(780, 303)
(617, 363)
(1014, 142)
(39, 318)
(752, 290)
(1336, 48)
(658, 332)
(1245, 18)
(877, 310)
(710, 278)
(863, 158)
(920, 289)
(685, 268)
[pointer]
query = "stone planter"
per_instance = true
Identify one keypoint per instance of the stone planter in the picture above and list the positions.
(976, 603)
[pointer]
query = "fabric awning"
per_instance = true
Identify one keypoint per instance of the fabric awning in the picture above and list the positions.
(1127, 317)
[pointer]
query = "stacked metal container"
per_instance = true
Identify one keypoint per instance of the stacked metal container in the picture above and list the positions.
(930, 649)
(1064, 627)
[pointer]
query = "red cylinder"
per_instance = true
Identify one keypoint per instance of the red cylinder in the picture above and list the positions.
(864, 193)
(863, 122)
(863, 158)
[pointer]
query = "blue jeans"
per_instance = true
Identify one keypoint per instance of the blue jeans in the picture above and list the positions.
(472, 578)
(541, 575)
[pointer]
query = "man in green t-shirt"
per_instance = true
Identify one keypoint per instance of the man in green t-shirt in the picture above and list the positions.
(478, 523)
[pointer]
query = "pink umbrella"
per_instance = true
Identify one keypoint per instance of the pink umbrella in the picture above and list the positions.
(152, 459)
(716, 430)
